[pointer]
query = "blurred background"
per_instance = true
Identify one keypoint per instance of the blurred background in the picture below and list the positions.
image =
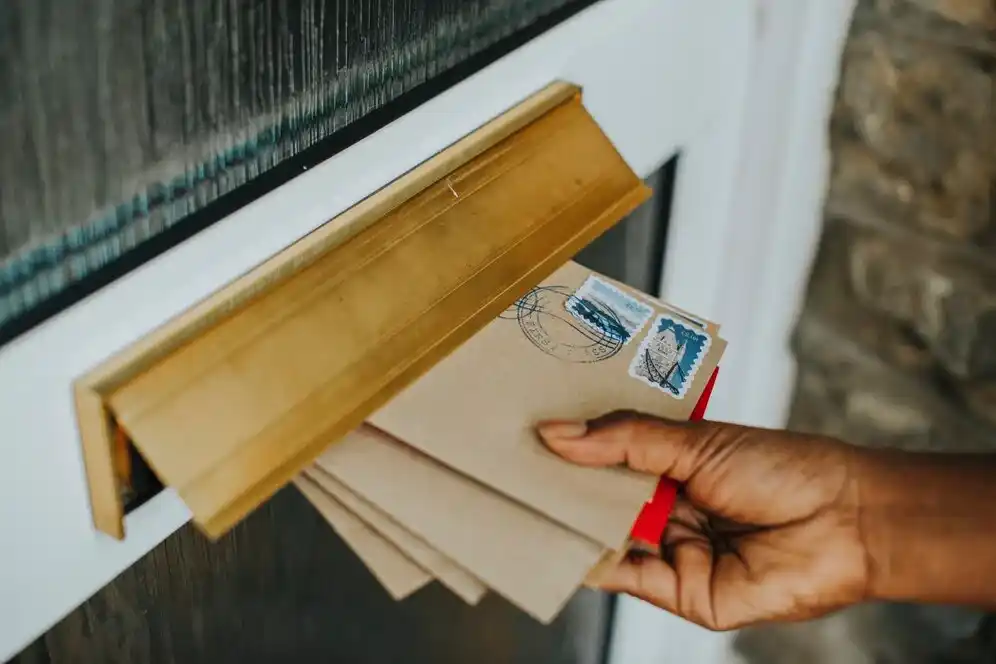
(896, 344)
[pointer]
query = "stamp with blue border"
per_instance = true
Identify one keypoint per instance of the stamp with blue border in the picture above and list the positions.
(670, 355)
(603, 307)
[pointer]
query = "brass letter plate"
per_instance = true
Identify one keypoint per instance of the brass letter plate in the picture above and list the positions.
(230, 400)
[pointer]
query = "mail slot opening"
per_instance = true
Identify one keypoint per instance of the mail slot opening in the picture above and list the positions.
(634, 251)
(138, 483)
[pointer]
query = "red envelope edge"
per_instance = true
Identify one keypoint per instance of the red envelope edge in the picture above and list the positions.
(649, 526)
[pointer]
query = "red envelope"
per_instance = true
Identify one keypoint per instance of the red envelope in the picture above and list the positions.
(649, 526)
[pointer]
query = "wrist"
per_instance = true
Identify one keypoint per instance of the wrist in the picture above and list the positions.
(926, 526)
(879, 495)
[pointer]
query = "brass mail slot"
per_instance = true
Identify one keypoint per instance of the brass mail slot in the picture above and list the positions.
(230, 400)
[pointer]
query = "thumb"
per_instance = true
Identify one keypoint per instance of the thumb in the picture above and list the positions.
(642, 442)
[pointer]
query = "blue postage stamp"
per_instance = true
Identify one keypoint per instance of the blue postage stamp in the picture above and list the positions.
(670, 355)
(605, 309)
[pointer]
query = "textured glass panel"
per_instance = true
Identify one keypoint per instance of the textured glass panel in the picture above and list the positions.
(120, 120)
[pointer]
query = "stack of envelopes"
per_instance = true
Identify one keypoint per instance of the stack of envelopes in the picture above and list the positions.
(449, 481)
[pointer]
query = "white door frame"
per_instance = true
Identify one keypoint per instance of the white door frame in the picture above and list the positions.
(745, 225)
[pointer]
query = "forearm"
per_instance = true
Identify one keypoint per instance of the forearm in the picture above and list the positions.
(929, 524)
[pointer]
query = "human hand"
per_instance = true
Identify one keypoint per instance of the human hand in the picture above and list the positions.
(766, 527)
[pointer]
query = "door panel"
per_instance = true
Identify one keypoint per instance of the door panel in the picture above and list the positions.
(282, 587)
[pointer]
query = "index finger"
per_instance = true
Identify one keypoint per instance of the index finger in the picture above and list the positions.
(642, 442)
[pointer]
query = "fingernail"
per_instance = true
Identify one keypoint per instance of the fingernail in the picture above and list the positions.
(563, 428)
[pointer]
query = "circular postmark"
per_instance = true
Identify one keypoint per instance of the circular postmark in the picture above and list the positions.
(545, 321)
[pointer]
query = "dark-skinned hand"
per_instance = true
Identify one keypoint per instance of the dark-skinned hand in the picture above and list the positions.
(766, 527)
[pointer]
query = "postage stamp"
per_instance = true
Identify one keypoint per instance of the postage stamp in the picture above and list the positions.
(601, 306)
(670, 355)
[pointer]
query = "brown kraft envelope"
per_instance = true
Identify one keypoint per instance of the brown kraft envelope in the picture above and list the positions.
(576, 346)
(399, 575)
(462, 583)
(523, 556)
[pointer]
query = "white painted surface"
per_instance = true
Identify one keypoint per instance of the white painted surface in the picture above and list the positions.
(745, 225)
(653, 72)
(764, 246)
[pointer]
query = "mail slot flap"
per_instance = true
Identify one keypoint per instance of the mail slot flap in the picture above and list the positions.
(229, 402)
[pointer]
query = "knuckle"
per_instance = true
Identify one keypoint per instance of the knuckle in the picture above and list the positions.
(634, 437)
(702, 618)
(631, 430)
